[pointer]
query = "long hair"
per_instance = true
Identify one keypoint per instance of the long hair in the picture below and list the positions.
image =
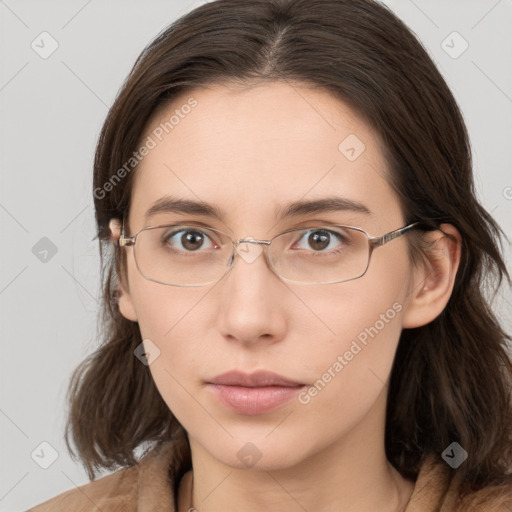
(450, 379)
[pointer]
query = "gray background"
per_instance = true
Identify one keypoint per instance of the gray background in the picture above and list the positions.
(52, 110)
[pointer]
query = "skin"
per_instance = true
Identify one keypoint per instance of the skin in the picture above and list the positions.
(249, 150)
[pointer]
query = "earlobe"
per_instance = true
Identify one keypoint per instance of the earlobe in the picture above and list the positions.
(434, 279)
(126, 306)
(114, 227)
(124, 299)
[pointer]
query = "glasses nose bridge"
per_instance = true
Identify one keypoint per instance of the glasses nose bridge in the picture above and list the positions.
(236, 243)
(265, 244)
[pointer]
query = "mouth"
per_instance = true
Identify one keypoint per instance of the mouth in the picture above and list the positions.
(253, 394)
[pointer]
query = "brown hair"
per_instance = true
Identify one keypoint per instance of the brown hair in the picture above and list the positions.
(451, 378)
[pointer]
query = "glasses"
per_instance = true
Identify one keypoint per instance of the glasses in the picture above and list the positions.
(188, 255)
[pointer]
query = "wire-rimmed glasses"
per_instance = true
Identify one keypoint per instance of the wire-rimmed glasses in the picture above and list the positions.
(185, 254)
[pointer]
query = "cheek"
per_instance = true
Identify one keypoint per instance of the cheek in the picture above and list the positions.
(348, 372)
(176, 323)
(176, 319)
(363, 309)
(163, 310)
(362, 341)
(358, 327)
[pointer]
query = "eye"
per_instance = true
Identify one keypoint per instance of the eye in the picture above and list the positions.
(188, 240)
(321, 239)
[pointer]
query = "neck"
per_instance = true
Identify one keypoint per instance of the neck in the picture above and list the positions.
(351, 474)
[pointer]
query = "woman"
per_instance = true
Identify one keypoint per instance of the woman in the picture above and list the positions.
(294, 301)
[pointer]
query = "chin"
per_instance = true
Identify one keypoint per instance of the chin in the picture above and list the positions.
(261, 454)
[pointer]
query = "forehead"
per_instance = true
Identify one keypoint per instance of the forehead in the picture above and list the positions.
(249, 150)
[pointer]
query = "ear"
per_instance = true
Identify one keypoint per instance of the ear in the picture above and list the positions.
(125, 301)
(434, 278)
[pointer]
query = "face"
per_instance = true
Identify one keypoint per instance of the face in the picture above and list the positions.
(250, 152)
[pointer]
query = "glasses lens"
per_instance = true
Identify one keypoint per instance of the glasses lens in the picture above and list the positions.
(182, 255)
(320, 255)
(187, 255)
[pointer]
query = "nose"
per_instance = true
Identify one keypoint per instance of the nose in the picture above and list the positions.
(252, 306)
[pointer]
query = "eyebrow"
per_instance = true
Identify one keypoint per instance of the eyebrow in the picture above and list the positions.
(170, 204)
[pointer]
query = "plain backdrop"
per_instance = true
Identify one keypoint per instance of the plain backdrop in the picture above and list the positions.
(52, 109)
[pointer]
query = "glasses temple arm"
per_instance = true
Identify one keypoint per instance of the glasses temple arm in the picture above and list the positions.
(384, 239)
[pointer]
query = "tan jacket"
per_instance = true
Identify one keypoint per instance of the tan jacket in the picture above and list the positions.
(149, 487)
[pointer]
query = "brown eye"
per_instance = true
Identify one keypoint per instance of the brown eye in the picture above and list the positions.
(318, 240)
(188, 240)
(192, 240)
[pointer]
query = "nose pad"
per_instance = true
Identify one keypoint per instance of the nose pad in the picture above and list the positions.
(248, 251)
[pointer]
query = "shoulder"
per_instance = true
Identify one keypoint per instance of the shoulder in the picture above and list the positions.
(145, 486)
(114, 492)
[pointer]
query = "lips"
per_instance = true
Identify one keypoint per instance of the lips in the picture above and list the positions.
(253, 380)
(255, 393)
